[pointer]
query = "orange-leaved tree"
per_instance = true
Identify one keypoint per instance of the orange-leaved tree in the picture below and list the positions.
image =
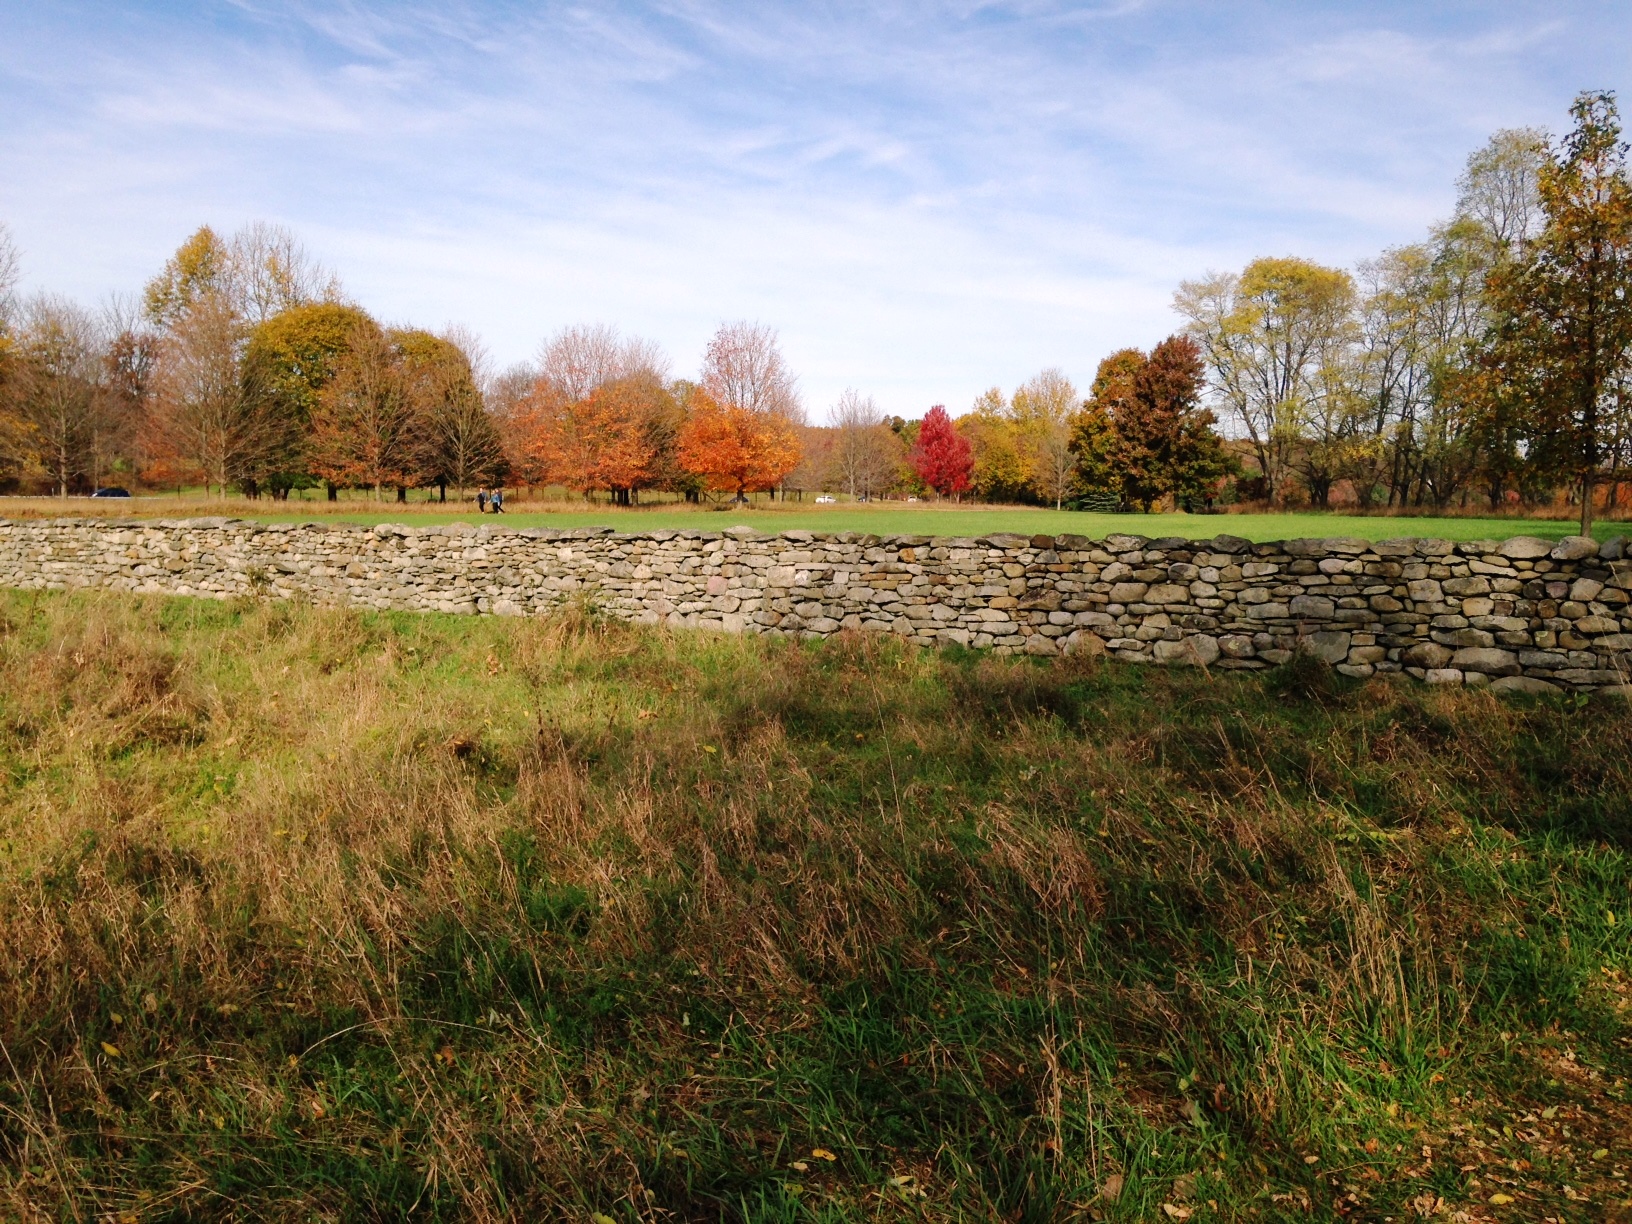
(363, 426)
(596, 442)
(735, 448)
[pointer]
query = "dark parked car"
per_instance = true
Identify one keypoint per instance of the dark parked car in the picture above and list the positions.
(115, 491)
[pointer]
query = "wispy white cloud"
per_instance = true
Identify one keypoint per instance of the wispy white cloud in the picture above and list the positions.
(925, 198)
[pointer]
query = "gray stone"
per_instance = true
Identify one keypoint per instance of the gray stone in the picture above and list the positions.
(1574, 548)
(1167, 593)
(1428, 655)
(1486, 659)
(1519, 548)
(1523, 684)
(1330, 645)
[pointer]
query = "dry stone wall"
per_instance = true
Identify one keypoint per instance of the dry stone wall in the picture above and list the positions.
(1522, 613)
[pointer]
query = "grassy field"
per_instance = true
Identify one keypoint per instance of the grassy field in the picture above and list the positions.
(315, 915)
(881, 518)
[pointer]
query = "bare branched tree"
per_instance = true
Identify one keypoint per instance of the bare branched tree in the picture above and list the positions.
(1500, 187)
(744, 368)
(269, 270)
(580, 359)
(208, 417)
(11, 271)
(865, 454)
(261, 271)
(60, 346)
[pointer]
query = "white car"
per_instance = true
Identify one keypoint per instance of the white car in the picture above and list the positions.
(825, 500)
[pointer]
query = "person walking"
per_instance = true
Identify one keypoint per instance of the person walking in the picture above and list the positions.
(481, 501)
(498, 501)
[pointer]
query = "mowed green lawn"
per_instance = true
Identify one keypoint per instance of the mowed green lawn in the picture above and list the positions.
(883, 518)
(898, 519)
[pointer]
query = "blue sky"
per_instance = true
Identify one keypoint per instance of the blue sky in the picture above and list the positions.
(926, 199)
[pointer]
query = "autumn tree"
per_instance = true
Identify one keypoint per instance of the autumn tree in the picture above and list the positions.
(594, 442)
(261, 271)
(59, 392)
(1563, 335)
(1042, 409)
(1164, 434)
(11, 270)
(1143, 434)
(744, 369)
(456, 441)
(17, 452)
(363, 425)
(578, 359)
(814, 470)
(197, 270)
(941, 455)
(597, 415)
(269, 271)
(736, 449)
(1001, 469)
(129, 360)
(661, 417)
(866, 455)
(508, 396)
(292, 356)
(1102, 466)
(1273, 338)
(208, 420)
(1499, 190)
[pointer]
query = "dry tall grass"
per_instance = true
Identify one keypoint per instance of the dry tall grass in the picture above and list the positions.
(309, 914)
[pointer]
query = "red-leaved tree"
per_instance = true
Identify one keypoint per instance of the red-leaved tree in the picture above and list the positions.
(942, 456)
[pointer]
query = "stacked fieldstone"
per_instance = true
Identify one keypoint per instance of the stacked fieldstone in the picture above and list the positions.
(1519, 614)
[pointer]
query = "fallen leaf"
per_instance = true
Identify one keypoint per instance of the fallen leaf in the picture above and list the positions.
(710, 748)
(599, 1218)
(1176, 1213)
(822, 1154)
(1112, 1189)
(112, 1051)
(800, 1166)
(116, 1018)
(1499, 1199)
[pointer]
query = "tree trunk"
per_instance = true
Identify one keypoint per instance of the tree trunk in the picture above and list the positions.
(1586, 503)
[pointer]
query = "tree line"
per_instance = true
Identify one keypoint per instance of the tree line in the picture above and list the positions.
(243, 365)
(1489, 363)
